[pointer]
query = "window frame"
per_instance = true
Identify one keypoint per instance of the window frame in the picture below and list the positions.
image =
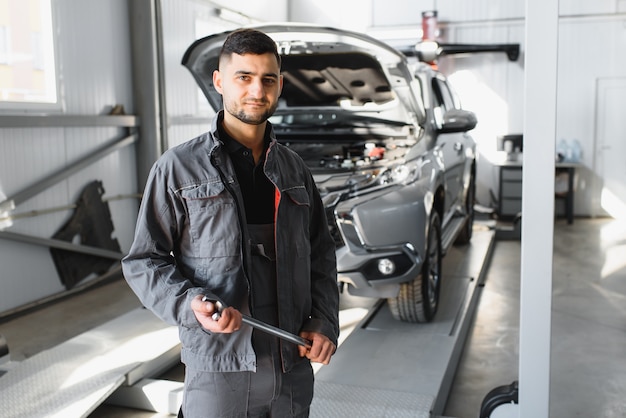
(48, 46)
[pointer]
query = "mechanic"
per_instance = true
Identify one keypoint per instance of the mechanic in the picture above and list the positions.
(233, 216)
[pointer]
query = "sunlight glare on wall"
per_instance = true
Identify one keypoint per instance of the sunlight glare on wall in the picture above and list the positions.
(5, 208)
(491, 110)
(612, 204)
(612, 242)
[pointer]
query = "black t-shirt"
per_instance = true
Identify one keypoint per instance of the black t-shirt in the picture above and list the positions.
(257, 189)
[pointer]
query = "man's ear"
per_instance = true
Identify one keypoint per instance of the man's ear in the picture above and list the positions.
(217, 81)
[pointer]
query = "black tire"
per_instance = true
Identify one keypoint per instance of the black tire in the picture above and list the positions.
(465, 235)
(418, 299)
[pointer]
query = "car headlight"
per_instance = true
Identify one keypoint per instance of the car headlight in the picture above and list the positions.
(385, 176)
(400, 174)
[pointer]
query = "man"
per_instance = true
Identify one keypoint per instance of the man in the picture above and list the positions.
(233, 216)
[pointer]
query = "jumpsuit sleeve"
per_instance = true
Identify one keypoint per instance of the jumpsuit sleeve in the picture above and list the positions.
(324, 290)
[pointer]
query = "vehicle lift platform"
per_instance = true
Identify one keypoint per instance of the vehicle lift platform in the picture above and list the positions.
(384, 368)
(389, 368)
(72, 379)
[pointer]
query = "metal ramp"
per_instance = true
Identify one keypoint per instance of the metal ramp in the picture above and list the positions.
(73, 378)
(387, 368)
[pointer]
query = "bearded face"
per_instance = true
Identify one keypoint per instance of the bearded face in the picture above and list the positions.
(250, 86)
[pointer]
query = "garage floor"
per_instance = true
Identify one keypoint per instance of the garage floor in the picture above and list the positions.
(588, 359)
(588, 325)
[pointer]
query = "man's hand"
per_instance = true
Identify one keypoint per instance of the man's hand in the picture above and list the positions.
(321, 350)
(229, 321)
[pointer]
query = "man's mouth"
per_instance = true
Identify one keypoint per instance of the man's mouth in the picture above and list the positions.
(256, 103)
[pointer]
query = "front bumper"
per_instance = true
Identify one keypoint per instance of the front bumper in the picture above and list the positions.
(388, 228)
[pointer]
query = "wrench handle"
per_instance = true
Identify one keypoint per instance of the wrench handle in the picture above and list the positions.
(277, 332)
(262, 326)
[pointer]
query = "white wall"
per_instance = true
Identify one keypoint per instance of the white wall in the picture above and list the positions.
(589, 49)
(591, 36)
(266, 11)
(352, 15)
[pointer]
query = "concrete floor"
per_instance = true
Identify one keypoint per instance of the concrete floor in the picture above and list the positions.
(588, 355)
(588, 369)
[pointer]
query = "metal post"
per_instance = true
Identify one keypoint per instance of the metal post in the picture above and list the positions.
(540, 88)
(146, 84)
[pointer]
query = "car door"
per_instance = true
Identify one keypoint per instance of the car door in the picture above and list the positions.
(452, 145)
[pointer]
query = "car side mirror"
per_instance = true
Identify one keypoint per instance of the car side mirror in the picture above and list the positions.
(458, 120)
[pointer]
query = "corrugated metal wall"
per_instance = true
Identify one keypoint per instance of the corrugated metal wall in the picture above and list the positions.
(94, 53)
(183, 23)
(93, 50)
(26, 156)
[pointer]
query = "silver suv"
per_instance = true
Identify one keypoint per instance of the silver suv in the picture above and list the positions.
(386, 140)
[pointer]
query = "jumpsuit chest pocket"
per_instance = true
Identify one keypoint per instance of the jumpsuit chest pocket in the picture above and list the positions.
(213, 225)
(298, 196)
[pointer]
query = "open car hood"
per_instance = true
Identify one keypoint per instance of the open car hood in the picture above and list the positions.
(321, 67)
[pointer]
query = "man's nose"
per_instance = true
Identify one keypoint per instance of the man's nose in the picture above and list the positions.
(256, 89)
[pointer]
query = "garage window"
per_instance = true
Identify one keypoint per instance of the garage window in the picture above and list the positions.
(27, 64)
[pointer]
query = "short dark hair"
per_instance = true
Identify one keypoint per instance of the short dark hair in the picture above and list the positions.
(249, 41)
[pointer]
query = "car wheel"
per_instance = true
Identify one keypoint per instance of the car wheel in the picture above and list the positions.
(465, 235)
(418, 299)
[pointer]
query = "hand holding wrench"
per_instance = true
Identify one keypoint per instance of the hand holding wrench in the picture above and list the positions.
(262, 326)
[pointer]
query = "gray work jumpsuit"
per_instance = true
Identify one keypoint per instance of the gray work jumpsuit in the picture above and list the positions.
(268, 392)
